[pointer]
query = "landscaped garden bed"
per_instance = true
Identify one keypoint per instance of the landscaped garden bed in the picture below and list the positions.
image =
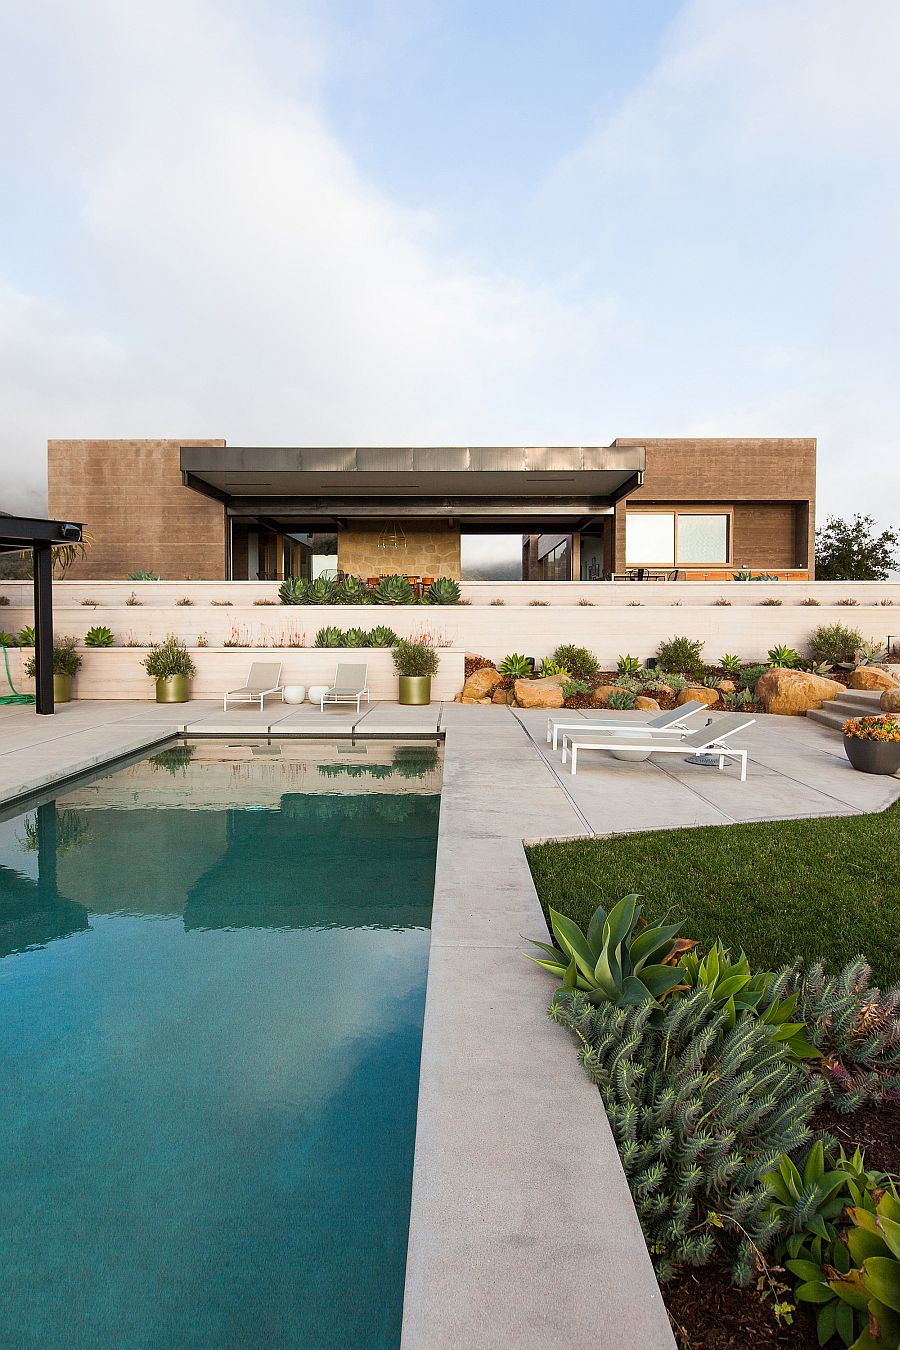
(744, 1053)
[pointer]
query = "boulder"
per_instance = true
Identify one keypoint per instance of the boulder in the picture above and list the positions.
(539, 693)
(601, 695)
(870, 677)
(666, 690)
(698, 694)
(792, 692)
(726, 686)
(481, 683)
(501, 696)
(645, 704)
(890, 700)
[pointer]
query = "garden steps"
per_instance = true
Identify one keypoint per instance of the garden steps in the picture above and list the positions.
(852, 703)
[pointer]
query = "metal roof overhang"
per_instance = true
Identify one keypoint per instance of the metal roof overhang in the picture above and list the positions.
(21, 532)
(18, 533)
(482, 485)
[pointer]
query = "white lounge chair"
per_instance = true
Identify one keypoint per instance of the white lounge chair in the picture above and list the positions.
(349, 686)
(667, 723)
(263, 681)
(708, 741)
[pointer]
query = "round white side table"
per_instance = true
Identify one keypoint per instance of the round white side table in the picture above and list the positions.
(294, 693)
(315, 692)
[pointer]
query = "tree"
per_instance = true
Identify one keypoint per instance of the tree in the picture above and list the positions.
(852, 551)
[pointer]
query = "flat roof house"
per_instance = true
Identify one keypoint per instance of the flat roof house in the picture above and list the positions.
(685, 508)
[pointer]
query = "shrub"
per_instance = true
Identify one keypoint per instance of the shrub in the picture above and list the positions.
(622, 699)
(414, 657)
(835, 643)
(515, 665)
(847, 602)
(222, 604)
(785, 657)
(140, 575)
(256, 602)
(168, 658)
(770, 600)
(443, 591)
(99, 636)
(498, 601)
(578, 661)
(538, 603)
(589, 604)
(66, 660)
(810, 600)
(90, 604)
(722, 601)
(682, 654)
(749, 675)
(133, 600)
(394, 590)
(699, 1111)
(4, 599)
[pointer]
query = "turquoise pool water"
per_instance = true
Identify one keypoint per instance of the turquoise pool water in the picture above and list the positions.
(212, 975)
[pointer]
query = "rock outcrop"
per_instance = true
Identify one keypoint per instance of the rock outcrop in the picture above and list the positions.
(793, 692)
(698, 694)
(645, 704)
(870, 677)
(539, 693)
(890, 700)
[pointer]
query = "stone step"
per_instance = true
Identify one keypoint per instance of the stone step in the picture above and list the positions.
(852, 703)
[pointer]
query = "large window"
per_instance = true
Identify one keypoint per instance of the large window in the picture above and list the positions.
(677, 538)
(490, 557)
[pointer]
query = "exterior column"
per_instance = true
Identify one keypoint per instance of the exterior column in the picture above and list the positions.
(43, 628)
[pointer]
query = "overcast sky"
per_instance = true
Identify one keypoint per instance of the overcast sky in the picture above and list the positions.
(413, 221)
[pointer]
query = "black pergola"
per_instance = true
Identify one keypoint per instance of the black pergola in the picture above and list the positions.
(18, 534)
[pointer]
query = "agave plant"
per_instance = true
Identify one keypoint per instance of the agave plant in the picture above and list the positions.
(730, 664)
(382, 636)
(26, 636)
(733, 988)
(99, 636)
(394, 590)
(355, 637)
(551, 667)
(443, 591)
(329, 637)
(516, 665)
(140, 575)
(785, 657)
(322, 591)
(740, 698)
(622, 699)
(353, 591)
(628, 665)
(292, 591)
(620, 959)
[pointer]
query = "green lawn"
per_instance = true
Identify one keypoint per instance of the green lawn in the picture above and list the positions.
(812, 888)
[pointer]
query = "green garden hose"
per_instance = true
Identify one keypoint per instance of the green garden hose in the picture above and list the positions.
(13, 697)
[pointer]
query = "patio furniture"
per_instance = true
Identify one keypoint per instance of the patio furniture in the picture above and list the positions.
(349, 686)
(262, 681)
(709, 741)
(315, 691)
(666, 723)
(293, 693)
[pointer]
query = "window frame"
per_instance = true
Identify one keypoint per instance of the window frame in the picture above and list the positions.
(675, 512)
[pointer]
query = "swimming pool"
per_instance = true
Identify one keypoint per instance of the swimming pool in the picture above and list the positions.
(212, 976)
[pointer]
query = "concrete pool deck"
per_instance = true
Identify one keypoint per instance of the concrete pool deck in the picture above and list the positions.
(522, 1232)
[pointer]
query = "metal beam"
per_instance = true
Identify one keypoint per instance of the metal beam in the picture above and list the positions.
(43, 627)
(200, 485)
(24, 531)
(526, 509)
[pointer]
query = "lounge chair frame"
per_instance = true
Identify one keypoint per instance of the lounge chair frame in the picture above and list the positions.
(250, 692)
(666, 724)
(347, 688)
(709, 741)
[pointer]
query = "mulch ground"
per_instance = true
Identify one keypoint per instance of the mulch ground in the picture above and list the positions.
(875, 1128)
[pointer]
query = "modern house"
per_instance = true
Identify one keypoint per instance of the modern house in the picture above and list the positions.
(680, 509)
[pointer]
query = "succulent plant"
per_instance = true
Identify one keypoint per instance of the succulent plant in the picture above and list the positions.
(732, 986)
(394, 590)
(622, 699)
(615, 961)
(99, 636)
(353, 590)
(292, 591)
(785, 657)
(382, 636)
(737, 699)
(571, 688)
(628, 665)
(355, 637)
(730, 664)
(443, 591)
(550, 667)
(749, 676)
(26, 636)
(141, 575)
(516, 665)
(322, 591)
(329, 637)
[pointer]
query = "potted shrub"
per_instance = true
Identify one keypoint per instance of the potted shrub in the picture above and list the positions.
(873, 744)
(170, 665)
(415, 662)
(66, 665)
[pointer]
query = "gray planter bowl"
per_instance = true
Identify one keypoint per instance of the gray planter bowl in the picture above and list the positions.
(873, 756)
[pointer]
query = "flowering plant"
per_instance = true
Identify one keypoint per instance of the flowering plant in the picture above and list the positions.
(873, 728)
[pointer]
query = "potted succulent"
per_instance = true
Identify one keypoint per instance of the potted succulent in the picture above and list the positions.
(66, 665)
(873, 744)
(170, 665)
(415, 662)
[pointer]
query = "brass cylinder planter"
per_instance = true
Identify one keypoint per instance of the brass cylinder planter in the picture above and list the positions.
(415, 690)
(62, 688)
(172, 689)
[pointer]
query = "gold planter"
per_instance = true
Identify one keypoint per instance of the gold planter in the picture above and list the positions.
(172, 689)
(415, 690)
(62, 688)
